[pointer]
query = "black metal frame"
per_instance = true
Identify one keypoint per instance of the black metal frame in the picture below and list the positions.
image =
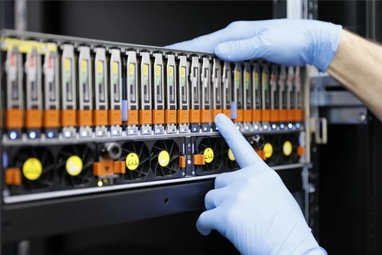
(374, 175)
(60, 216)
(54, 217)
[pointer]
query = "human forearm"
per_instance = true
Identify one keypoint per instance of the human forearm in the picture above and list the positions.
(357, 65)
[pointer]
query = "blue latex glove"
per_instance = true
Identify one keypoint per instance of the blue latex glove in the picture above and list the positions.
(289, 42)
(252, 207)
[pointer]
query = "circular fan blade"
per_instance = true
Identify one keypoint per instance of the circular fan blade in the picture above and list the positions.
(142, 155)
(164, 154)
(82, 158)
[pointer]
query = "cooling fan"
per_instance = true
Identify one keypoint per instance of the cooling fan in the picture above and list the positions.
(75, 166)
(165, 158)
(290, 143)
(37, 168)
(213, 151)
(230, 163)
(272, 149)
(137, 160)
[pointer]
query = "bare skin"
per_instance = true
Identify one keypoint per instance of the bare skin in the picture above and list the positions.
(357, 65)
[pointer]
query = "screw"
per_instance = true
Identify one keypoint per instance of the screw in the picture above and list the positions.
(6, 193)
(362, 117)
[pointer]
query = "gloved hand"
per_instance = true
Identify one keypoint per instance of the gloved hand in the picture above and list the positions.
(252, 207)
(289, 42)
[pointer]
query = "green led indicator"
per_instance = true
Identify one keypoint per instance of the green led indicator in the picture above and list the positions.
(237, 79)
(246, 81)
(265, 76)
(145, 78)
(100, 71)
(115, 78)
(67, 76)
(158, 75)
(84, 77)
(170, 81)
(183, 77)
(131, 78)
(131, 74)
(170, 77)
(100, 76)
(256, 80)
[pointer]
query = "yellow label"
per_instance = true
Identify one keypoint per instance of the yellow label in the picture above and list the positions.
(265, 75)
(51, 47)
(131, 68)
(237, 75)
(230, 155)
(183, 72)
(67, 64)
(287, 148)
(115, 66)
(256, 76)
(74, 165)
(246, 76)
(157, 70)
(170, 71)
(100, 66)
(163, 158)
(32, 169)
(24, 46)
(144, 69)
(268, 150)
(132, 161)
(84, 64)
(208, 155)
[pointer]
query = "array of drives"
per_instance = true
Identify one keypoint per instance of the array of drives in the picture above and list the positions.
(81, 114)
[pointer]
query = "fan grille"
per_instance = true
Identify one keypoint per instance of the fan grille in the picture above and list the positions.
(139, 153)
(230, 163)
(165, 158)
(293, 140)
(273, 148)
(85, 177)
(45, 177)
(214, 160)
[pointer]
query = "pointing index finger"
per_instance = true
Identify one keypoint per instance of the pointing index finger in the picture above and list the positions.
(242, 150)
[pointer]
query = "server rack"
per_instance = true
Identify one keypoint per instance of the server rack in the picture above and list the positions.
(161, 200)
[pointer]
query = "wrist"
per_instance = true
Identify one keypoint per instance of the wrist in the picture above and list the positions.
(325, 44)
(306, 246)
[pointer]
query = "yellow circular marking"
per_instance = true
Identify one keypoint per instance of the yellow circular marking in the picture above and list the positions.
(132, 161)
(163, 158)
(287, 148)
(74, 165)
(208, 155)
(230, 155)
(32, 169)
(268, 150)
